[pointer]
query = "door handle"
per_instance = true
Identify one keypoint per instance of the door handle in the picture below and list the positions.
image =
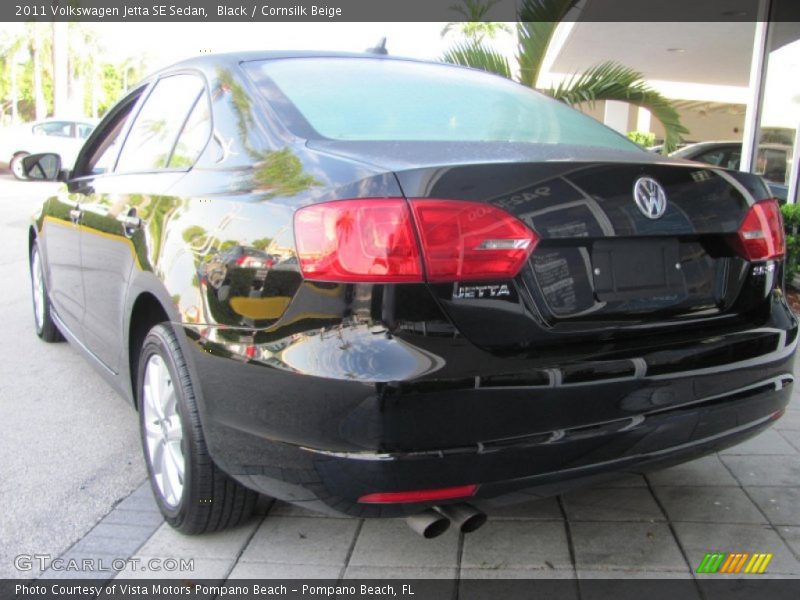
(75, 215)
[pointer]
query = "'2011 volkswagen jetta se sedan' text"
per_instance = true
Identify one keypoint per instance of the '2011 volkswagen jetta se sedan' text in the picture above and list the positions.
(383, 287)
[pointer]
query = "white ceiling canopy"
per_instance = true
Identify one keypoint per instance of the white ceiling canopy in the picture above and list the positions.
(712, 44)
(707, 53)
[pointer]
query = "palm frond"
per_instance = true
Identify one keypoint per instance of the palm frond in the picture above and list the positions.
(478, 56)
(613, 81)
(536, 24)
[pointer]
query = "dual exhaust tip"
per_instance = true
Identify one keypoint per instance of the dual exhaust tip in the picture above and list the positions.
(433, 522)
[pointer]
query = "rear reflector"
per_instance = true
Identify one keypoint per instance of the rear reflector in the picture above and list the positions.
(777, 414)
(760, 236)
(462, 491)
(373, 240)
(366, 240)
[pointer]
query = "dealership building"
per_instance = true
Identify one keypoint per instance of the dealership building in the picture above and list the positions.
(730, 79)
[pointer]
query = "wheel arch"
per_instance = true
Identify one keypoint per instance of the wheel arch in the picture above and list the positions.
(31, 239)
(147, 311)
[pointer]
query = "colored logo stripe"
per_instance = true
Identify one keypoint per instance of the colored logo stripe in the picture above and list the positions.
(711, 562)
(758, 564)
(734, 562)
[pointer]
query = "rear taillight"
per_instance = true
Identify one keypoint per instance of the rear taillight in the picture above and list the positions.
(470, 240)
(374, 240)
(370, 240)
(760, 236)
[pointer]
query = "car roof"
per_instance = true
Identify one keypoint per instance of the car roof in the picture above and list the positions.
(81, 120)
(693, 149)
(210, 62)
(733, 143)
(237, 57)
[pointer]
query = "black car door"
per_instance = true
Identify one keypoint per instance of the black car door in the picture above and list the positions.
(61, 241)
(117, 204)
(65, 217)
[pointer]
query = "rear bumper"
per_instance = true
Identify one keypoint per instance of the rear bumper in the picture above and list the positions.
(517, 426)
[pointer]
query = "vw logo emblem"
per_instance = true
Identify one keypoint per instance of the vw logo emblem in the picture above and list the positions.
(650, 197)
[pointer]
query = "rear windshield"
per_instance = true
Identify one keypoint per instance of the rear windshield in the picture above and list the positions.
(393, 100)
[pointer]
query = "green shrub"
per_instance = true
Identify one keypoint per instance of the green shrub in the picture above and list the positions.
(643, 138)
(791, 222)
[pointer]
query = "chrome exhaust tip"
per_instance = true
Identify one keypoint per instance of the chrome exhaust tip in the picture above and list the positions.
(467, 518)
(428, 523)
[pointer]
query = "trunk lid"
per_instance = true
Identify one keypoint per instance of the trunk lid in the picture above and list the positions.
(601, 263)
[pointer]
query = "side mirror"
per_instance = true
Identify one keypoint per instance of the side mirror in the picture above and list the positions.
(43, 167)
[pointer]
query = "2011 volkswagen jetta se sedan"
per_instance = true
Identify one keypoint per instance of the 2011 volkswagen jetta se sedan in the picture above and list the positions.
(448, 290)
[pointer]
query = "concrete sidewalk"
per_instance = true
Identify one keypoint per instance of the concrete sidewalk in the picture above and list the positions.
(746, 499)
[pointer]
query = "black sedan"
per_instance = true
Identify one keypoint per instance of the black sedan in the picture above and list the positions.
(466, 293)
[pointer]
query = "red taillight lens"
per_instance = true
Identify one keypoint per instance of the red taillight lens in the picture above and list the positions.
(470, 240)
(461, 491)
(373, 240)
(760, 236)
(366, 240)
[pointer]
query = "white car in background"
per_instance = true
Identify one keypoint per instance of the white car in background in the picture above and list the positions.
(65, 137)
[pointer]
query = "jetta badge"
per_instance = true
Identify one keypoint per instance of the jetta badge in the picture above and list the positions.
(650, 197)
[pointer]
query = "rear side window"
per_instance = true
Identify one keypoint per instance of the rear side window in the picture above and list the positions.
(772, 165)
(393, 100)
(714, 157)
(733, 160)
(84, 130)
(151, 139)
(55, 128)
(193, 137)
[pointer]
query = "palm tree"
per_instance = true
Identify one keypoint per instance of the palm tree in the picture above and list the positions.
(473, 27)
(609, 80)
(39, 47)
(85, 55)
(60, 53)
(11, 58)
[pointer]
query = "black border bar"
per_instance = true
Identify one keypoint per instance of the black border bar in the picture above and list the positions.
(393, 10)
(709, 588)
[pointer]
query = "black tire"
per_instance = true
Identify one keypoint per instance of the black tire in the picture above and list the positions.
(43, 322)
(209, 500)
(15, 166)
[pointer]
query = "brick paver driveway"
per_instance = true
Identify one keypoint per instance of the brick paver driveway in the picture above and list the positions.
(656, 525)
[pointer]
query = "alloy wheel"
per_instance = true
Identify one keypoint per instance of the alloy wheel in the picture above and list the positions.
(163, 431)
(17, 168)
(38, 291)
